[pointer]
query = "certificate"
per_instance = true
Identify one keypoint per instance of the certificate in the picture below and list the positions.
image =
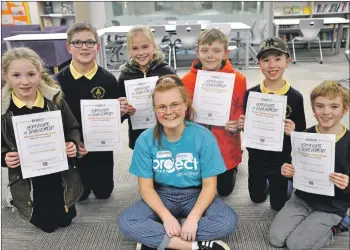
(41, 144)
(264, 121)
(212, 97)
(101, 124)
(139, 94)
(313, 157)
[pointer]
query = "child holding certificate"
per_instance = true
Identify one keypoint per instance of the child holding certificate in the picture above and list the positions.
(177, 163)
(306, 220)
(264, 166)
(46, 201)
(212, 53)
(146, 60)
(83, 79)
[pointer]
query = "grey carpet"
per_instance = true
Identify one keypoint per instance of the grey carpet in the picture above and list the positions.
(95, 227)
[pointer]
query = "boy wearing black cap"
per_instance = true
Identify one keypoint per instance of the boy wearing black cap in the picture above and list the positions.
(265, 166)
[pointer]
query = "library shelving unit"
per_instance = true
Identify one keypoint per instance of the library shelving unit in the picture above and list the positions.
(56, 13)
(312, 9)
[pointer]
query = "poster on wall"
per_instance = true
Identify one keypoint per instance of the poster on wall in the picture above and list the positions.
(13, 13)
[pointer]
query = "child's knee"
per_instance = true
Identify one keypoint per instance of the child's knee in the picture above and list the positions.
(229, 221)
(276, 237)
(295, 243)
(124, 223)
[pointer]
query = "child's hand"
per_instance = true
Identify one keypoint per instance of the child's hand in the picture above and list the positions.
(12, 159)
(82, 150)
(71, 149)
(131, 109)
(189, 229)
(232, 126)
(172, 226)
(123, 105)
(241, 120)
(340, 180)
(289, 126)
(287, 170)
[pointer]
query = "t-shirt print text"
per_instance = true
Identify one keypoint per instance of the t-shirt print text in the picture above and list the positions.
(184, 164)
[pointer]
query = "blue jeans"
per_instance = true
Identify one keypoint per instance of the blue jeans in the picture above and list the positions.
(140, 223)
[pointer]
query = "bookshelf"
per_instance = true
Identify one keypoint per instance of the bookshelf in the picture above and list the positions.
(56, 13)
(311, 9)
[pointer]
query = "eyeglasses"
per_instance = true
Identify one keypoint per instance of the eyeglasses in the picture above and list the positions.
(79, 43)
(175, 106)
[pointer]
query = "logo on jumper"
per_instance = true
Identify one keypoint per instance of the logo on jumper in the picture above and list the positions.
(183, 161)
(288, 111)
(98, 92)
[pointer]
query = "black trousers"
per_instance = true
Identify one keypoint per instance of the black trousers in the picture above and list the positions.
(259, 188)
(96, 171)
(49, 210)
(226, 182)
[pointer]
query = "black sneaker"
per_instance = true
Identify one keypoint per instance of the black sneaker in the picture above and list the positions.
(213, 245)
(140, 246)
(343, 226)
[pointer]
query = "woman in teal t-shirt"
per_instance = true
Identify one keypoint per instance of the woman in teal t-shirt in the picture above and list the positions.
(177, 163)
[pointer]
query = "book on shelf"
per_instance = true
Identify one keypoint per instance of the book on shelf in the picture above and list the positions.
(295, 10)
(287, 11)
(342, 7)
(307, 10)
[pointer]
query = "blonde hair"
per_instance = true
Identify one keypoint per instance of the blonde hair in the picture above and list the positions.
(331, 89)
(212, 35)
(28, 54)
(79, 27)
(135, 30)
(163, 84)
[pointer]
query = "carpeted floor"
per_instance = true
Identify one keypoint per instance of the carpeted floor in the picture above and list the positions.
(95, 227)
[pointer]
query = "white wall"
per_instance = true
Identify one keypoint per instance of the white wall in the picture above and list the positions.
(33, 12)
(97, 14)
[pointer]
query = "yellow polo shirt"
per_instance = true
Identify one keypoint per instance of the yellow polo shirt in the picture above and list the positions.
(76, 75)
(39, 101)
(282, 91)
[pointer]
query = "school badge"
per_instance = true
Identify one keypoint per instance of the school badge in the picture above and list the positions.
(288, 111)
(98, 92)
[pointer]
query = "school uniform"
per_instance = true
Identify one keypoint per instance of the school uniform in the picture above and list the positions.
(266, 165)
(96, 168)
(307, 219)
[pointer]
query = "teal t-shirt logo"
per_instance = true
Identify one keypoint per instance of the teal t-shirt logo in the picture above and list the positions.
(183, 164)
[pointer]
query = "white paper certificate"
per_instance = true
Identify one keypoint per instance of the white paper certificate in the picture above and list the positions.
(40, 142)
(313, 157)
(101, 124)
(264, 121)
(212, 97)
(139, 94)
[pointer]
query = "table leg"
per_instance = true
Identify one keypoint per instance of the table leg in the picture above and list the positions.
(103, 53)
(8, 45)
(277, 30)
(247, 51)
(339, 37)
(332, 45)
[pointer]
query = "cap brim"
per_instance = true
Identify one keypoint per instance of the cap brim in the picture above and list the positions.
(261, 52)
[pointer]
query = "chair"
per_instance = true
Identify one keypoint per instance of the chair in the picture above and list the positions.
(347, 55)
(310, 29)
(224, 28)
(162, 38)
(257, 35)
(186, 38)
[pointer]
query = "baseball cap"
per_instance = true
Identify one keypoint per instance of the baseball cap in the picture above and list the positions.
(271, 43)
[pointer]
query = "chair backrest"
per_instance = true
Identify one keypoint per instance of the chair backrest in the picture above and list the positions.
(310, 28)
(115, 23)
(188, 35)
(159, 33)
(261, 29)
(223, 27)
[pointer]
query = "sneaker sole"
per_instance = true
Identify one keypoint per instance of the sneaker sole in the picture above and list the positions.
(223, 244)
(138, 246)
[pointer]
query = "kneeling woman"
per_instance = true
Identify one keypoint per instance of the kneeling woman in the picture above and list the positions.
(177, 163)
